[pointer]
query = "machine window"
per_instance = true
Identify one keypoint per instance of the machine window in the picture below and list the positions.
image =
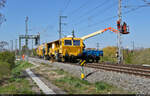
(68, 42)
(76, 42)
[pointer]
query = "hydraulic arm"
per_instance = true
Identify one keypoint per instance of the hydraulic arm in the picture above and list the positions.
(99, 32)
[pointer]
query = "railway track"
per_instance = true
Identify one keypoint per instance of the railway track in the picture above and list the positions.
(122, 69)
(129, 69)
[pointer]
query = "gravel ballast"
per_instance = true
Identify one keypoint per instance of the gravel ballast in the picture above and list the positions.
(128, 82)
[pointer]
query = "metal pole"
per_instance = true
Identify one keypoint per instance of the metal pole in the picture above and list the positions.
(20, 47)
(97, 46)
(11, 45)
(59, 27)
(26, 21)
(133, 45)
(73, 33)
(119, 34)
(32, 47)
(60, 23)
(39, 39)
(16, 49)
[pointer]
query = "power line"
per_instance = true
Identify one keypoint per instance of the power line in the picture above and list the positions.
(131, 6)
(82, 5)
(67, 4)
(112, 17)
(93, 9)
(136, 8)
(94, 15)
(102, 21)
(147, 2)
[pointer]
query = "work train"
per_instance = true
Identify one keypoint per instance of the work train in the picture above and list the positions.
(67, 49)
(71, 48)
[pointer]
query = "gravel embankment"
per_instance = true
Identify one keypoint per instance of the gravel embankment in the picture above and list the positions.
(127, 82)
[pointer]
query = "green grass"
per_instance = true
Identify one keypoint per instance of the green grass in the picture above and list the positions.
(17, 84)
(71, 84)
(60, 71)
(138, 56)
(141, 56)
(19, 67)
(74, 85)
(6, 63)
(47, 65)
(4, 70)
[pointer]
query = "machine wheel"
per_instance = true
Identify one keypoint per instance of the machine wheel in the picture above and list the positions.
(45, 57)
(90, 59)
(97, 61)
(57, 57)
(63, 59)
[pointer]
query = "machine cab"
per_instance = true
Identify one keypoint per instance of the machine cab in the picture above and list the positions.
(71, 46)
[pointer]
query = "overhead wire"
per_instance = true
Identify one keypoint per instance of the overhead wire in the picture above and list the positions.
(115, 16)
(93, 9)
(147, 2)
(67, 4)
(76, 10)
(94, 15)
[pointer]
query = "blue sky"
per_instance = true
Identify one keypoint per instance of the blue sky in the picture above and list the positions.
(84, 16)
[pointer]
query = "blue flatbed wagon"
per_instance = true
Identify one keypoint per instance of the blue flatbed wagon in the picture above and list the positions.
(92, 55)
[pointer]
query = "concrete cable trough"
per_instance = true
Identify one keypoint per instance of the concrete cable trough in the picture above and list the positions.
(41, 84)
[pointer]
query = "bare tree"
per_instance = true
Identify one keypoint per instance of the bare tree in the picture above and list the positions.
(2, 17)
(2, 3)
(2, 45)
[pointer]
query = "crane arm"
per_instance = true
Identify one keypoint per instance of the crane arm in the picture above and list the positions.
(99, 32)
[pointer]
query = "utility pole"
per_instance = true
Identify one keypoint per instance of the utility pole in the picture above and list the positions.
(120, 59)
(32, 47)
(26, 22)
(133, 45)
(20, 47)
(16, 48)
(11, 45)
(73, 33)
(60, 27)
(97, 46)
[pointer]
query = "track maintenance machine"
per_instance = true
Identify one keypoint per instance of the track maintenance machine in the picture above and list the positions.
(67, 48)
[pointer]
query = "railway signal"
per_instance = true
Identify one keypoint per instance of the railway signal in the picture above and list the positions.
(82, 64)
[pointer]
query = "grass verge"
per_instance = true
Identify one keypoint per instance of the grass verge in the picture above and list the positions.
(74, 85)
(17, 82)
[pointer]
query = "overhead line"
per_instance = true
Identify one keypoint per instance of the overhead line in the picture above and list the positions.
(67, 4)
(109, 18)
(83, 5)
(81, 21)
(92, 10)
(100, 5)
(134, 9)
(102, 21)
(147, 2)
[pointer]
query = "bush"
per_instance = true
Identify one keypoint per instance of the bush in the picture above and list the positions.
(141, 56)
(7, 63)
(8, 57)
(4, 69)
(102, 86)
(127, 56)
(109, 54)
